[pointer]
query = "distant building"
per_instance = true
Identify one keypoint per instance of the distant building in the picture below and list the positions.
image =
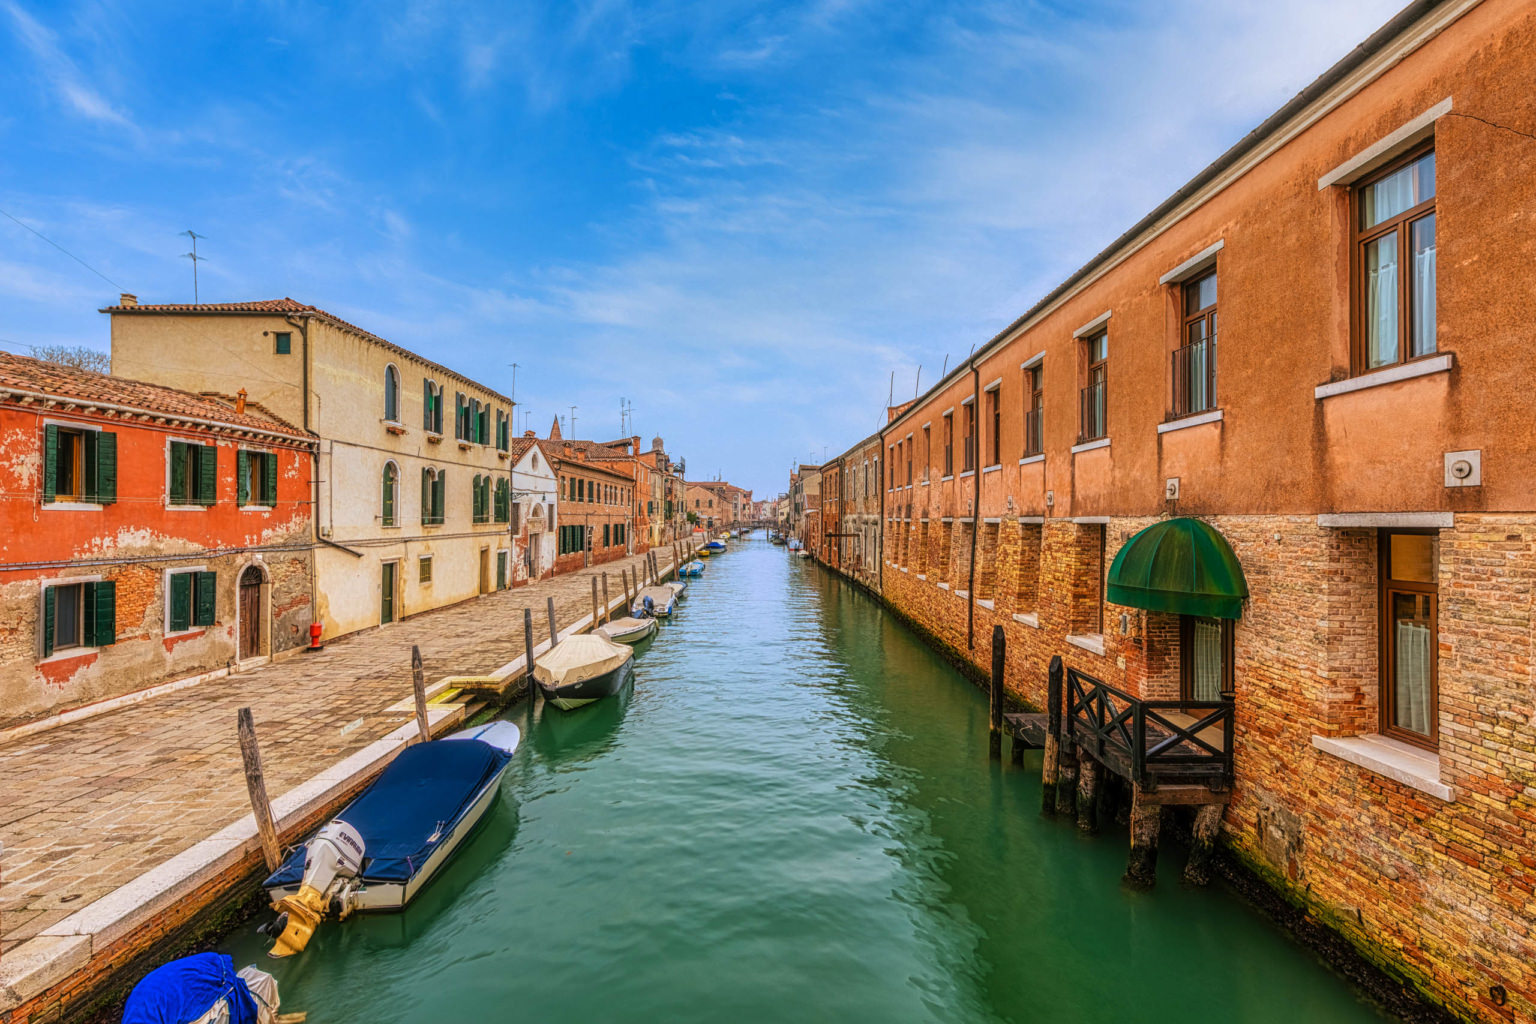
(534, 509)
(146, 534)
(593, 505)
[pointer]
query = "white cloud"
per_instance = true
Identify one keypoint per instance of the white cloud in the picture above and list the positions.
(60, 72)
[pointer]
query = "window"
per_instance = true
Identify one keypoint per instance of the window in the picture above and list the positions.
(390, 495)
(995, 426)
(480, 499)
(949, 444)
(1395, 264)
(460, 417)
(927, 453)
(1410, 636)
(431, 407)
(1205, 658)
(908, 444)
(256, 478)
(79, 465)
(607, 539)
(79, 615)
(1194, 361)
(503, 512)
(424, 569)
(282, 342)
(969, 411)
(1091, 421)
(391, 394)
(193, 473)
(1034, 410)
(433, 497)
(193, 600)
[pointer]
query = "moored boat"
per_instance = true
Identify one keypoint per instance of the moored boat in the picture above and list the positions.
(714, 547)
(677, 587)
(583, 668)
(694, 568)
(628, 630)
(654, 602)
(204, 987)
(388, 843)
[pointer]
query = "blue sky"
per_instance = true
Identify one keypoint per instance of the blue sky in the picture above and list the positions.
(741, 217)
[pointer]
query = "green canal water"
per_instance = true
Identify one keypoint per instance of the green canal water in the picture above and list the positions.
(793, 818)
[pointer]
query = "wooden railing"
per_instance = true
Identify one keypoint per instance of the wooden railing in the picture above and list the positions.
(1150, 742)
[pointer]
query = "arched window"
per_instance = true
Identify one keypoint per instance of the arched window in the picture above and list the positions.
(390, 493)
(391, 394)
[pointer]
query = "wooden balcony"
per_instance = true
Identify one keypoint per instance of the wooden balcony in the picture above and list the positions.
(1150, 742)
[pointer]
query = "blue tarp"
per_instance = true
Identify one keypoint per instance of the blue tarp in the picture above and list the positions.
(411, 807)
(183, 990)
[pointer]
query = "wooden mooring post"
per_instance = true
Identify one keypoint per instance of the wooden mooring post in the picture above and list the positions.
(528, 651)
(1050, 762)
(1089, 779)
(1202, 847)
(419, 687)
(256, 786)
(1146, 826)
(554, 636)
(606, 605)
(995, 730)
(595, 618)
(629, 602)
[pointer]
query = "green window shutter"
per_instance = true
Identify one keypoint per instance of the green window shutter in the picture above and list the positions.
(48, 610)
(269, 478)
(87, 485)
(181, 601)
(207, 474)
(50, 472)
(426, 496)
(243, 477)
(178, 456)
(106, 467)
(387, 496)
(426, 404)
(440, 498)
(207, 598)
(101, 614)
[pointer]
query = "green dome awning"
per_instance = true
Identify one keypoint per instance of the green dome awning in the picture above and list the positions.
(1182, 566)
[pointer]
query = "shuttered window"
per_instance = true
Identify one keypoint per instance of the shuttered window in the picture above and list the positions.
(193, 473)
(256, 478)
(79, 465)
(78, 615)
(433, 493)
(389, 492)
(193, 600)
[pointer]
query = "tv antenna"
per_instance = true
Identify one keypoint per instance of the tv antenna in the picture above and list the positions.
(514, 385)
(626, 416)
(194, 257)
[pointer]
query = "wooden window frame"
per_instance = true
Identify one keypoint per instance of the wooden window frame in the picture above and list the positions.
(76, 462)
(970, 450)
(1034, 410)
(1360, 238)
(1387, 650)
(995, 424)
(1090, 365)
(1207, 316)
(423, 569)
(949, 444)
(1187, 661)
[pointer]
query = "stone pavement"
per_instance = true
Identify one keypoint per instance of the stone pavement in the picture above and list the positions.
(89, 806)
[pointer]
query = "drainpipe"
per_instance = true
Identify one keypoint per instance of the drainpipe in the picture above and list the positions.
(970, 583)
(302, 326)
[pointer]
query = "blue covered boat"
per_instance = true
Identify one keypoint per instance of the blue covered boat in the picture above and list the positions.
(715, 547)
(201, 987)
(693, 568)
(389, 842)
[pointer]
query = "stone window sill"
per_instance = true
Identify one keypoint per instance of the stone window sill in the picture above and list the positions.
(1030, 460)
(255, 508)
(1402, 762)
(1088, 446)
(74, 652)
(969, 472)
(1198, 419)
(943, 586)
(1030, 619)
(993, 469)
(962, 593)
(1093, 643)
(945, 479)
(187, 508)
(902, 568)
(922, 576)
(73, 506)
(434, 438)
(1422, 367)
(984, 602)
(394, 426)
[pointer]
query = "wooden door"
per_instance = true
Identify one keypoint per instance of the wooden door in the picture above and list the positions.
(485, 570)
(387, 594)
(250, 613)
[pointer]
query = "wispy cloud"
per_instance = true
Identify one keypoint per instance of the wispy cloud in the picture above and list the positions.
(61, 74)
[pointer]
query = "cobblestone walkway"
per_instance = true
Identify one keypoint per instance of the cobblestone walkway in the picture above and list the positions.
(86, 807)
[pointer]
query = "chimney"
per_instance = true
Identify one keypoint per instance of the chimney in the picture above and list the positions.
(530, 433)
(127, 299)
(656, 444)
(240, 402)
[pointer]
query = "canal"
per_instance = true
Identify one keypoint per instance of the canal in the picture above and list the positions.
(793, 817)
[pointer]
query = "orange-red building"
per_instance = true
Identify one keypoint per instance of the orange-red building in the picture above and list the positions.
(146, 534)
(1306, 374)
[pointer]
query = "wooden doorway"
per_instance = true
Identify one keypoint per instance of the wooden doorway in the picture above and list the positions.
(485, 570)
(250, 612)
(387, 582)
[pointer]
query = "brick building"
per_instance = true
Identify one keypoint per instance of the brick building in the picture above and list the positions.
(857, 544)
(146, 535)
(1351, 494)
(664, 503)
(594, 506)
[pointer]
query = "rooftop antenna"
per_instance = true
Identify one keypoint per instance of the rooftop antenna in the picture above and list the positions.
(514, 385)
(946, 366)
(890, 395)
(194, 257)
(917, 388)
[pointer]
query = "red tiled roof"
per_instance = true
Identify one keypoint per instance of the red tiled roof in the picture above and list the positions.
(37, 376)
(554, 451)
(518, 446)
(285, 305)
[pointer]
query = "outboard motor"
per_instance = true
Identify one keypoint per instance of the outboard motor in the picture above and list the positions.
(647, 607)
(332, 862)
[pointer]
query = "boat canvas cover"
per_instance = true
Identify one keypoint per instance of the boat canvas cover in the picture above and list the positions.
(578, 658)
(186, 989)
(411, 808)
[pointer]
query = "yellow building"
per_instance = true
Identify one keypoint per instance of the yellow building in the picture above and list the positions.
(412, 482)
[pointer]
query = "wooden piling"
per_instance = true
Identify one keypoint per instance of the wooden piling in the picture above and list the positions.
(1066, 779)
(595, 619)
(419, 685)
(256, 786)
(995, 730)
(554, 636)
(528, 651)
(606, 604)
(1050, 763)
(1146, 825)
(1202, 846)
(1089, 780)
(629, 602)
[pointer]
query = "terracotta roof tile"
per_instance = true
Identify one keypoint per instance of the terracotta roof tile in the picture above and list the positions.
(37, 376)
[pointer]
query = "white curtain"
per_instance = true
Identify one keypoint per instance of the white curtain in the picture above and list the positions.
(1207, 674)
(1381, 300)
(1424, 286)
(1413, 674)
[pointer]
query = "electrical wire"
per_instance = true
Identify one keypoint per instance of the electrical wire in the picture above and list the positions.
(65, 251)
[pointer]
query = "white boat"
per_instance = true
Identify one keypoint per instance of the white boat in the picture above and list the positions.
(654, 602)
(383, 847)
(677, 587)
(581, 669)
(628, 630)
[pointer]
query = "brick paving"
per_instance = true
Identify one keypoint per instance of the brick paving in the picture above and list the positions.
(89, 806)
